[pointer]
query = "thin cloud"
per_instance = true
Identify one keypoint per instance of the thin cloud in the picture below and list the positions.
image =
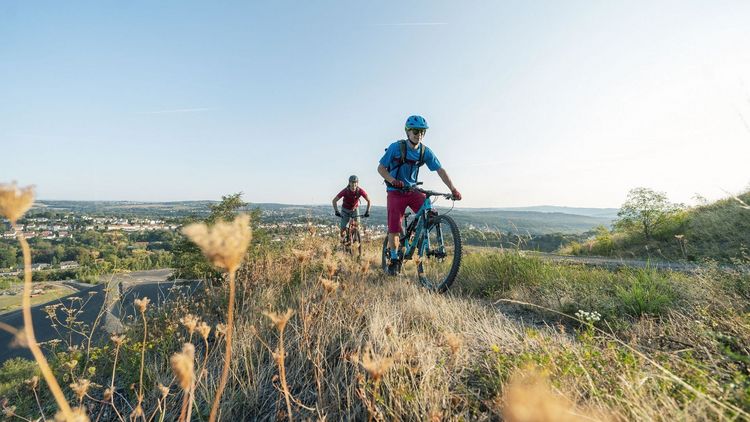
(176, 110)
(411, 24)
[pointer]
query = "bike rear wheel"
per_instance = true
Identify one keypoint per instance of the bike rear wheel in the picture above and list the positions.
(440, 258)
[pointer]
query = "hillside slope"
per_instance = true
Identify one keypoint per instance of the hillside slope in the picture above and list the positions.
(718, 231)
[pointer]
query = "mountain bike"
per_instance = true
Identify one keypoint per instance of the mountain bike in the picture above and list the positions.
(352, 235)
(433, 240)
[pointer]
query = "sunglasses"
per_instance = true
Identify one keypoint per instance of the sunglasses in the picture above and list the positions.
(418, 131)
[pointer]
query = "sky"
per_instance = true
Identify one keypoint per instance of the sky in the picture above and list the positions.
(564, 103)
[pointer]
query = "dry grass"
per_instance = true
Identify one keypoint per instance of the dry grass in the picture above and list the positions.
(354, 344)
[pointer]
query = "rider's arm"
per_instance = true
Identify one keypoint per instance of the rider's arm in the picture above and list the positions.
(367, 211)
(445, 178)
(335, 203)
(385, 174)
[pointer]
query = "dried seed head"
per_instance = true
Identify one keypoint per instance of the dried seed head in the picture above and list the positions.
(278, 357)
(224, 243)
(388, 330)
(20, 339)
(221, 329)
(71, 364)
(137, 413)
(302, 256)
(33, 382)
(190, 321)
(80, 388)
(330, 286)
(118, 339)
(530, 398)
(182, 365)
(279, 320)
(9, 411)
(163, 390)
(204, 329)
(435, 416)
(375, 365)
(142, 304)
(79, 415)
(364, 267)
(454, 342)
(330, 267)
(14, 202)
(108, 393)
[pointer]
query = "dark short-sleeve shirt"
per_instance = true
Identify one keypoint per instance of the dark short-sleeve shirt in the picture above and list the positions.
(351, 199)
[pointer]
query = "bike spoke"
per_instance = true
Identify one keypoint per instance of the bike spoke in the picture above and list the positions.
(438, 264)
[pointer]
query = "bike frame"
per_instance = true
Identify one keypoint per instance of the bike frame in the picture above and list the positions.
(421, 242)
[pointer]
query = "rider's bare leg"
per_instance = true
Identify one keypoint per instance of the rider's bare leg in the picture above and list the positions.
(393, 241)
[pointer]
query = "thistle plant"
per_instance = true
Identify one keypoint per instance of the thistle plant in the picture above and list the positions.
(279, 321)
(225, 245)
(14, 203)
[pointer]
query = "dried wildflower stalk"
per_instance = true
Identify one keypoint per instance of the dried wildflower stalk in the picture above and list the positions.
(204, 330)
(225, 245)
(142, 305)
(14, 202)
(280, 321)
(109, 393)
(376, 366)
(190, 322)
(80, 388)
(184, 368)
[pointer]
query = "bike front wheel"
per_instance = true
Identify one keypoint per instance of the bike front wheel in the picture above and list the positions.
(440, 256)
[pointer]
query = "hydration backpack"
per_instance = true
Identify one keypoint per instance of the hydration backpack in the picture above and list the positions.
(403, 160)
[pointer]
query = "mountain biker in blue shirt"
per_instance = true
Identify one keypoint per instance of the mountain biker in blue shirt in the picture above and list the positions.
(402, 174)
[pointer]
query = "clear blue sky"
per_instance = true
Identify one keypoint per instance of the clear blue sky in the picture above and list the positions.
(565, 103)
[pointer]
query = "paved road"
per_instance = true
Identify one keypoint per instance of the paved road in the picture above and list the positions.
(100, 308)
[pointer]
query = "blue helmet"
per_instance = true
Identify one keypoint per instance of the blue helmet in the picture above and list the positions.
(416, 122)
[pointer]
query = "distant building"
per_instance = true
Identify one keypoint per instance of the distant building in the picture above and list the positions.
(66, 265)
(38, 267)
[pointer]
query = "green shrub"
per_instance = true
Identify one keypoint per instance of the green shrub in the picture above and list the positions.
(6, 282)
(497, 273)
(646, 292)
(603, 243)
(13, 374)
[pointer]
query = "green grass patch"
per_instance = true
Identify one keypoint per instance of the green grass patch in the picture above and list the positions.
(620, 294)
(11, 303)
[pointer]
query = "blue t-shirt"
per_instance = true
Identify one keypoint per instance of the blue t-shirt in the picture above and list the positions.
(407, 173)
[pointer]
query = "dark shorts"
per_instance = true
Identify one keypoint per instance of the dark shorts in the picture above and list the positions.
(346, 215)
(397, 203)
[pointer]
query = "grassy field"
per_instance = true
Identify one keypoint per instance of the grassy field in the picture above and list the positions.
(52, 291)
(333, 339)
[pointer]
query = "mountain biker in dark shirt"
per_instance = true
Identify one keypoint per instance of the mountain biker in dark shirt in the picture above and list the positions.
(350, 205)
(400, 175)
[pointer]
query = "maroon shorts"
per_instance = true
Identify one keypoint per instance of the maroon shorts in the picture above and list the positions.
(397, 203)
